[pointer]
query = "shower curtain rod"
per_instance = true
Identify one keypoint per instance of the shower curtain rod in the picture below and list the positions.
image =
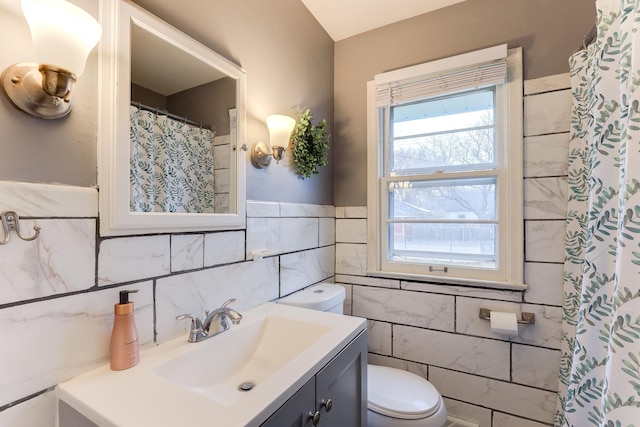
(168, 114)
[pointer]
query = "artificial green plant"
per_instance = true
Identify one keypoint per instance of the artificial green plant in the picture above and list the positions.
(310, 144)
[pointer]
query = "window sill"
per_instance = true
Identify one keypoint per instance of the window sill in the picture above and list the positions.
(450, 280)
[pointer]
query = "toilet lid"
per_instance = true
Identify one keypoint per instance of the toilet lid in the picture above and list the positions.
(320, 297)
(400, 394)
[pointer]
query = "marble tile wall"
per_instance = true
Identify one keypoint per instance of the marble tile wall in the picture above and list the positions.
(434, 330)
(57, 292)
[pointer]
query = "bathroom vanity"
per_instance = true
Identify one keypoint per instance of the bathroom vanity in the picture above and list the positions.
(334, 397)
(281, 366)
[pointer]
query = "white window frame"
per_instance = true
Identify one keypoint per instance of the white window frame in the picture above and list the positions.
(509, 189)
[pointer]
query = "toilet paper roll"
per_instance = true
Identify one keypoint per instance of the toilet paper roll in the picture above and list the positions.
(504, 323)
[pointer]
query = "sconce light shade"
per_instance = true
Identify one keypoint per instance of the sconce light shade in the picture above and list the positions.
(62, 35)
(280, 128)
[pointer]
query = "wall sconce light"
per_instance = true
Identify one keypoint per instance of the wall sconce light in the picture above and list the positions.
(63, 35)
(280, 128)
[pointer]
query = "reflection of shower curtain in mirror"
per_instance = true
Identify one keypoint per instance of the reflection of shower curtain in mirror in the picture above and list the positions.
(171, 165)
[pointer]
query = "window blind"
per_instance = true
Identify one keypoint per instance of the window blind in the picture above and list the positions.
(469, 71)
(482, 75)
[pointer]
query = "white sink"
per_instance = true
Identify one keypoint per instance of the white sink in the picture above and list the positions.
(277, 348)
(218, 366)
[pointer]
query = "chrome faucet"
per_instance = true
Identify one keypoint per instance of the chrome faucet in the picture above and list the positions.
(216, 322)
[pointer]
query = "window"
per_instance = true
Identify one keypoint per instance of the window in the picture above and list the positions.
(445, 170)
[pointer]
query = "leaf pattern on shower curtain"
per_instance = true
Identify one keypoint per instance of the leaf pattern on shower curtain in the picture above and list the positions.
(171, 165)
(600, 350)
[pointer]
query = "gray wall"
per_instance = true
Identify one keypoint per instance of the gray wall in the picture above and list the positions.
(208, 104)
(288, 58)
(148, 97)
(548, 31)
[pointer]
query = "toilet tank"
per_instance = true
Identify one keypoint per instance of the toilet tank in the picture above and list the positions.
(323, 296)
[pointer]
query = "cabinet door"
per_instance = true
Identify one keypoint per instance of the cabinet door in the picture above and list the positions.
(344, 381)
(295, 411)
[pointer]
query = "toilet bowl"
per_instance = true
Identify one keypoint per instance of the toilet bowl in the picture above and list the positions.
(395, 398)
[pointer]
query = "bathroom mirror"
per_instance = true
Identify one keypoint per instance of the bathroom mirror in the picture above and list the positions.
(171, 129)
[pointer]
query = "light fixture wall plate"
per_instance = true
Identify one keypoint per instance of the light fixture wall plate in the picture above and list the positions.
(261, 155)
(24, 85)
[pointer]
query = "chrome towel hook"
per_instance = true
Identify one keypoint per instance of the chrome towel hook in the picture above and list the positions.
(11, 221)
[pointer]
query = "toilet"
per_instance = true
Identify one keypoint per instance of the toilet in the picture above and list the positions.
(395, 398)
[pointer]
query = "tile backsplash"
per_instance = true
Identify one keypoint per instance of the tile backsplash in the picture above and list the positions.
(57, 292)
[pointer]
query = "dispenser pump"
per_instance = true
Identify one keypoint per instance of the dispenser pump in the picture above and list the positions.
(124, 306)
(124, 296)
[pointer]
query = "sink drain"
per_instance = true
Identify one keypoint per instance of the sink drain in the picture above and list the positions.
(246, 386)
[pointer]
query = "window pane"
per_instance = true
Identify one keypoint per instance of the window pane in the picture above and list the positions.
(444, 132)
(472, 149)
(453, 199)
(465, 110)
(463, 245)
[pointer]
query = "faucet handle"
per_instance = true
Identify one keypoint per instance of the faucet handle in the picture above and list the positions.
(193, 317)
(195, 333)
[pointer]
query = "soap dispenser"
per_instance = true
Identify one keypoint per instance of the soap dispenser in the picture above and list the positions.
(124, 344)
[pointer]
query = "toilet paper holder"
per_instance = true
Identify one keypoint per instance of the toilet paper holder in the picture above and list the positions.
(525, 318)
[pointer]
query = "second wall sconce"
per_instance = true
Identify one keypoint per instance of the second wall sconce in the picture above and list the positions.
(280, 128)
(63, 35)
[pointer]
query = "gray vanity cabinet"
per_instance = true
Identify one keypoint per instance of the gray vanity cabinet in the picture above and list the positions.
(336, 396)
(295, 411)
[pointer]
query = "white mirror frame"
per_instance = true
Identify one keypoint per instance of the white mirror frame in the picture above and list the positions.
(113, 128)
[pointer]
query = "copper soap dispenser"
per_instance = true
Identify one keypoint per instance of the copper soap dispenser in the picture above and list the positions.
(124, 345)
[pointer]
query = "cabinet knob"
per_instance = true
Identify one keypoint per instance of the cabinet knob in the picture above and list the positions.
(326, 404)
(315, 417)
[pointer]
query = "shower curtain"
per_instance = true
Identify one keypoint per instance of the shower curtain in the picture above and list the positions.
(600, 361)
(171, 165)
